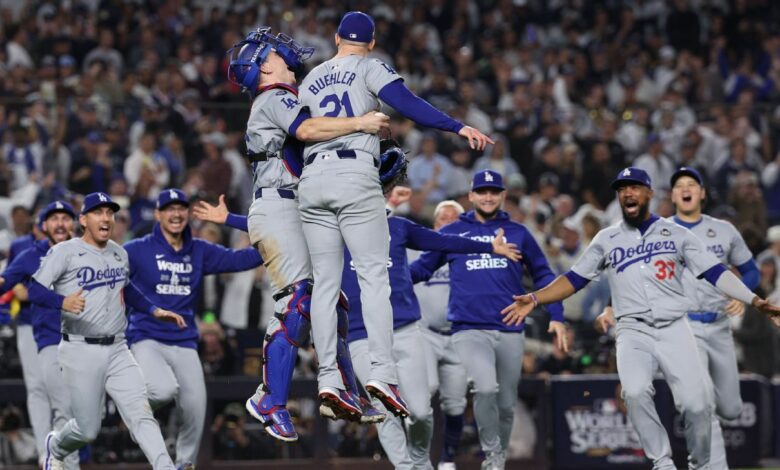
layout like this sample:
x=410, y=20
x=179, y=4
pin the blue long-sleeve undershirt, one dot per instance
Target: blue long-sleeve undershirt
x=417, y=109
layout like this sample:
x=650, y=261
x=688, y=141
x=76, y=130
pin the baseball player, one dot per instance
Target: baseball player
x=89, y=282
x=56, y=222
x=168, y=266
x=264, y=66
x=445, y=370
x=709, y=315
x=410, y=449
x=38, y=406
x=489, y=349
x=342, y=201
x=645, y=259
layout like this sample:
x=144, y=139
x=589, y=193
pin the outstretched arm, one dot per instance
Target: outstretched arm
x=555, y=291
x=219, y=214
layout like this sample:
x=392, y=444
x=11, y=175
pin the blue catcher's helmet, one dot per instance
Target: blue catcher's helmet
x=248, y=56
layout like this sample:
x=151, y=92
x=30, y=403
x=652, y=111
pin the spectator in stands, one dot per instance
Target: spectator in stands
x=146, y=158
x=429, y=172
x=17, y=444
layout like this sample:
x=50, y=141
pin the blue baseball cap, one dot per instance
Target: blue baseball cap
x=687, y=171
x=172, y=196
x=487, y=179
x=53, y=208
x=631, y=174
x=357, y=26
x=94, y=200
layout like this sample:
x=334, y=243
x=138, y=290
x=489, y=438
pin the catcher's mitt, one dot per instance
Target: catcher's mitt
x=392, y=164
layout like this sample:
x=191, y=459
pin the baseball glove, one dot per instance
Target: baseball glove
x=393, y=163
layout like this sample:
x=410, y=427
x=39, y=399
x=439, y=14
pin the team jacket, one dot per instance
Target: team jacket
x=172, y=280
x=19, y=245
x=483, y=284
x=403, y=234
x=45, y=322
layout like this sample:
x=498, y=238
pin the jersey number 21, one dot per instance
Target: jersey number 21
x=337, y=103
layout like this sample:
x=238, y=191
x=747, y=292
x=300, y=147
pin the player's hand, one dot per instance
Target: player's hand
x=205, y=211
x=477, y=140
x=763, y=306
x=561, y=338
x=606, y=320
x=502, y=248
x=2, y=281
x=74, y=303
x=735, y=308
x=399, y=195
x=372, y=122
x=515, y=314
x=20, y=292
x=166, y=315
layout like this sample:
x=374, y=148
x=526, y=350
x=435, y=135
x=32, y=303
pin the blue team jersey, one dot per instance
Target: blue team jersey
x=19, y=245
x=172, y=280
x=482, y=285
x=403, y=234
x=45, y=322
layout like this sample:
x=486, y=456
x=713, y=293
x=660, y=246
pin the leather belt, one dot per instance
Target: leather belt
x=283, y=193
x=343, y=154
x=102, y=340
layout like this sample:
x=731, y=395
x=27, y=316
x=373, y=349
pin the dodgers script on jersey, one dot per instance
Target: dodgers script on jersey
x=102, y=274
x=272, y=114
x=346, y=87
x=645, y=270
x=724, y=241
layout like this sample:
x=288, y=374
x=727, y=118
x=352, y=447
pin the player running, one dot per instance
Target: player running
x=342, y=201
x=168, y=266
x=645, y=258
x=56, y=223
x=89, y=282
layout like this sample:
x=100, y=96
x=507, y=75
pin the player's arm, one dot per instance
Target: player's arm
x=16, y=272
x=218, y=259
x=537, y=266
x=423, y=267
x=587, y=268
x=136, y=300
x=219, y=214
x=425, y=239
x=705, y=266
x=52, y=267
x=411, y=106
x=317, y=129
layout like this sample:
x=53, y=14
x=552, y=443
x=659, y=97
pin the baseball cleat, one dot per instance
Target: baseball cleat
x=389, y=396
x=338, y=404
x=370, y=415
x=50, y=462
x=276, y=420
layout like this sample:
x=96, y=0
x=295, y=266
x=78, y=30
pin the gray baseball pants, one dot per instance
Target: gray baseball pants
x=341, y=202
x=38, y=407
x=445, y=372
x=494, y=362
x=716, y=351
x=59, y=398
x=173, y=372
x=91, y=370
x=410, y=449
x=641, y=350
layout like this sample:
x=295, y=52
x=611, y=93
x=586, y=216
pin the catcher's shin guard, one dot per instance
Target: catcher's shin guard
x=280, y=348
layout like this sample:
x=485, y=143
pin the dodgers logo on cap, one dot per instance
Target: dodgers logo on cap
x=53, y=208
x=631, y=175
x=487, y=179
x=171, y=196
x=687, y=171
x=94, y=200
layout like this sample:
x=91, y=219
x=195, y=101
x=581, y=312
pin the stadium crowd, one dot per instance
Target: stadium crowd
x=129, y=97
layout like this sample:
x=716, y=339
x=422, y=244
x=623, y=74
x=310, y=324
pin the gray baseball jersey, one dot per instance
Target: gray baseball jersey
x=433, y=296
x=346, y=87
x=645, y=270
x=102, y=273
x=272, y=114
x=724, y=241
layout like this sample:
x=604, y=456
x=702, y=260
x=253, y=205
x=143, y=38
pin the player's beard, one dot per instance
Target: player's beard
x=641, y=214
x=487, y=215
